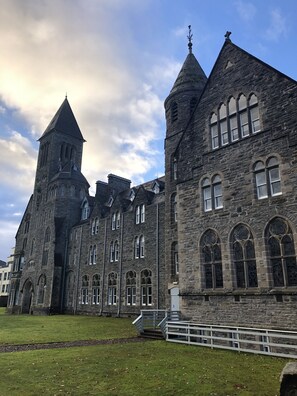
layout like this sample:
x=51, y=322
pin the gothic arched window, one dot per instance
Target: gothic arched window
x=212, y=260
x=146, y=287
x=131, y=288
x=281, y=253
x=243, y=254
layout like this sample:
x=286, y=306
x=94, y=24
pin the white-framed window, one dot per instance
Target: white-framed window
x=267, y=178
x=146, y=288
x=85, y=211
x=92, y=255
x=141, y=243
x=118, y=220
x=116, y=251
x=112, y=252
x=142, y=213
x=212, y=193
x=174, y=208
x=131, y=288
x=85, y=290
x=95, y=226
x=137, y=214
x=113, y=221
x=239, y=119
x=112, y=289
x=174, y=259
x=96, y=289
x=136, y=247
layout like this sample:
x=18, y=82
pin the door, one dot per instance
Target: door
x=174, y=294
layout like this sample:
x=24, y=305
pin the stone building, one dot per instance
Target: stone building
x=215, y=237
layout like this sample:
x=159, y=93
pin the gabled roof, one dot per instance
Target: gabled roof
x=191, y=75
x=64, y=122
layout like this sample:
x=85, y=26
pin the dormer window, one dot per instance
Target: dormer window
x=85, y=210
x=132, y=195
x=156, y=188
x=110, y=201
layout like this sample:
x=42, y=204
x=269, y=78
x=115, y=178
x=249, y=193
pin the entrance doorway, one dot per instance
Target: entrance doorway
x=27, y=297
x=174, y=294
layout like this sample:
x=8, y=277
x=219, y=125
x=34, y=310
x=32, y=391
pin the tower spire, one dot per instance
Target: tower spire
x=190, y=36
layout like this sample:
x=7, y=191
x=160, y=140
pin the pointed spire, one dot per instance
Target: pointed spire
x=64, y=122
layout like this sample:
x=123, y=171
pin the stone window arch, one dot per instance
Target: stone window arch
x=85, y=290
x=211, y=260
x=243, y=257
x=281, y=253
x=96, y=289
x=112, y=288
x=146, y=287
x=131, y=288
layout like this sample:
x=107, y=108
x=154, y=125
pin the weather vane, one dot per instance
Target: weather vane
x=190, y=36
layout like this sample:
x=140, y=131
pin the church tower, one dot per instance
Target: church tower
x=53, y=209
x=179, y=111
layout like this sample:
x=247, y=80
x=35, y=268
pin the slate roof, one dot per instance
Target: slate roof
x=191, y=75
x=64, y=122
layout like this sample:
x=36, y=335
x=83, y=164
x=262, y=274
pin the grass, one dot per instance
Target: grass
x=28, y=329
x=148, y=368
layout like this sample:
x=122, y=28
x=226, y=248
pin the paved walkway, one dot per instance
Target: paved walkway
x=68, y=344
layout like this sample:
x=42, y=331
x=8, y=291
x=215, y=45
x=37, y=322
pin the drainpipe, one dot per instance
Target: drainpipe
x=121, y=267
x=103, y=268
x=157, y=254
x=64, y=272
x=78, y=272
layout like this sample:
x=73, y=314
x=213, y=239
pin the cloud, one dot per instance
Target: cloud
x=7, y=233
x=17, y=163
x=277, y=27
x=246, y=10
x=2, y=110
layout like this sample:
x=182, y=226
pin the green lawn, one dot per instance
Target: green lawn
x=28, y=329
x=148, y=368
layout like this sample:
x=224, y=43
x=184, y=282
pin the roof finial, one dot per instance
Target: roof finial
x=189, y=36
x=227, y=36
x=66, y=95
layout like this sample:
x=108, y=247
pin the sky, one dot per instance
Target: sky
x=116, y=60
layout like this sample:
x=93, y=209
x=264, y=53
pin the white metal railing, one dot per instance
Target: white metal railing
x=242, y=339
x=149, y=319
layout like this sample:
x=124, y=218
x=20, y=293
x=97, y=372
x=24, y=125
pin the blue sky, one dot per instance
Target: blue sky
x=117, y=61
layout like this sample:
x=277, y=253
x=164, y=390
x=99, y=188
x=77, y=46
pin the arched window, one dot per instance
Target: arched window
x=136, y=247
x=281, y=253
x=41, y=289
x=112, y=288
x=85, y=289
x=141, y=246
x=47, y=235
x=174, y=112
x=131, y=288
x=142, y=213
x=243, y=253
x=118, y=220
x=137, y=214
x=212, y=260
x=173, y=208
x=96, y=289
x=46, y=244
x=174, y=168
x=95, y=226
x=85, y=211
x=267, y=178
x=116, y=251
x=212, y=193
x=174, y=259
x=214, y=131
x=235, y=121
x=112, y=252
x=32, y=246
x=92, y=254
x=113, y=221
x=146, y=287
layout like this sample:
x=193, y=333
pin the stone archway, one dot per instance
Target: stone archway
x=27, y=297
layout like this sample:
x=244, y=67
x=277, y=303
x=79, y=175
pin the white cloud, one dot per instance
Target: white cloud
x=8, y=230
x=246, y=10
x=277, y=27
x=2, y=110
x=17, y=163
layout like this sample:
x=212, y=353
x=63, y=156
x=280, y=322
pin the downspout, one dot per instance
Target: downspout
x=121, y=267
x=63, y=273
x=103, y=268
x=157, y=255
x=78, y=272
